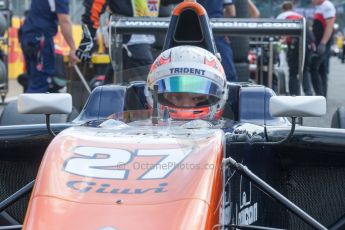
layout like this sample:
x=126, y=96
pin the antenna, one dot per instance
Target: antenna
x=155, y=105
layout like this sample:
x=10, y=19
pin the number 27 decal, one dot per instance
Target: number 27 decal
x=92, y=165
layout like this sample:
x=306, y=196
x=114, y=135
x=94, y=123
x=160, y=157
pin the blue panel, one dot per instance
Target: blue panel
x=254, y=106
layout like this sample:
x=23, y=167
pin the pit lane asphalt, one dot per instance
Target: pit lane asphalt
x=335, y=99
x=336, y=95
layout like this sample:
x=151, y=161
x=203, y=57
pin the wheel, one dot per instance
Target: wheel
x=240, y=45
x=242, y=70
x=3, y=25
x=3, y=75
x=338, y=119
x=240, y=48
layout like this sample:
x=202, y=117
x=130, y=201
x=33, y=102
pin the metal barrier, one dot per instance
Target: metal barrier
x=261, y=67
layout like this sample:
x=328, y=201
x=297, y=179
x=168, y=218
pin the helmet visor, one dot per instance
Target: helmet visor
x=185, y=91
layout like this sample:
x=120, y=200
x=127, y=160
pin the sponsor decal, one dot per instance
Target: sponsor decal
x=239, y=25
x=187, y=71
x=248, y=215
x=257, y=25
x=248, y=212
x=152, y=5
x=145, y=23
x=105, y=188
x=144, y=8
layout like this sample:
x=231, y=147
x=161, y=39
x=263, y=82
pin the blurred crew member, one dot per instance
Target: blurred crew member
x=217, y=9
x=324, y=19
x=40, y=26
x=136, y=50
x=293, y=54
x=253, y=11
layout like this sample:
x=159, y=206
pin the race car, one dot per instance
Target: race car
x=126, y=163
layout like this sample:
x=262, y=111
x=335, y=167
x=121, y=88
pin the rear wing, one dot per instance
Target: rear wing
x=220, y=26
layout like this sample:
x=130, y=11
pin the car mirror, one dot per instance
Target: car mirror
x=297, y=106
x=44, y=103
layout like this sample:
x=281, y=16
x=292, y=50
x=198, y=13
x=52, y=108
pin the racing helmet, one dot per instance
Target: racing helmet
x=191, y=83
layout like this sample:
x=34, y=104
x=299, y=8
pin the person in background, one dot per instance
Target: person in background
x=37, y=32
x=253, y=11
x=23, y=77
x=26, y=12
x=221, y=9
x=293, y=54
x=324, y=19
x=136, y=48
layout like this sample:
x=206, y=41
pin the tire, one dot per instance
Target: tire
x=3, y=82
x=3, y=24
x=338, y=119
x=240, y=48
x=3, y=75
x=240, y=45
x=10, y=116
x=242, y=70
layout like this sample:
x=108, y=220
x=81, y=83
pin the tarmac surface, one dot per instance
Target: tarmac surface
x=335, y=99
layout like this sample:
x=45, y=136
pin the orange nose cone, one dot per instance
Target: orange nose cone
x=171, y=182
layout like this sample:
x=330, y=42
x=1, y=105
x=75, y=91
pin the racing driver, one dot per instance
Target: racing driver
x=191, y=84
